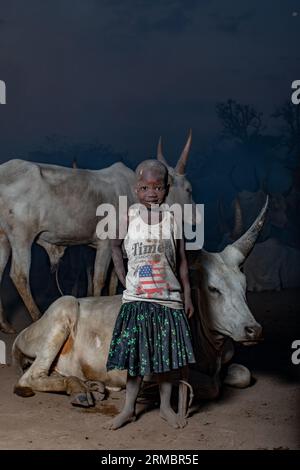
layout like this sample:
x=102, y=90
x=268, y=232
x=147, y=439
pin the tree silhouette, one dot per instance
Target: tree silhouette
x=290, y=137
x=240, y=121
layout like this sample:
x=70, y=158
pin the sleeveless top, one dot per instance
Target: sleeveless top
x=151, y=250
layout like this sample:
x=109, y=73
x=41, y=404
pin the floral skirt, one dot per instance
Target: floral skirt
x=149, y=337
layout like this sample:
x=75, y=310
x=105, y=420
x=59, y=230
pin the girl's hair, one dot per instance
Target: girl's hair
x=155, y=166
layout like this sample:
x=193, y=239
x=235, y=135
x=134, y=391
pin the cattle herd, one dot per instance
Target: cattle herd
x=65, y=349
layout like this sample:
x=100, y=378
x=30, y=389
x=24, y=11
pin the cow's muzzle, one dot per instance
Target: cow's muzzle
x=253, y=334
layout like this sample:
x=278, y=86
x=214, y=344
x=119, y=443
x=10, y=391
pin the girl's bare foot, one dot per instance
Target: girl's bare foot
x=172, y=418
x=121, y=419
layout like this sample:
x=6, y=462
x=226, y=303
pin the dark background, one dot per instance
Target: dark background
x=121, y=73
x=100, y=81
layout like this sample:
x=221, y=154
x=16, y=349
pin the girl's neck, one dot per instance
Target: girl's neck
x=152, y=215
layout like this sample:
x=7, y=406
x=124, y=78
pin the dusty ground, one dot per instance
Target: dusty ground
x=264, y=416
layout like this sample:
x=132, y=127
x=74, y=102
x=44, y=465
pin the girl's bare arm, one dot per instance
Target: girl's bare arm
x=184, y=278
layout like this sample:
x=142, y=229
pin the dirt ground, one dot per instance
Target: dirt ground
x=263, y=416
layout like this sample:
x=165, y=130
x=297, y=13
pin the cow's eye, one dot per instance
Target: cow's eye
x=214, y=290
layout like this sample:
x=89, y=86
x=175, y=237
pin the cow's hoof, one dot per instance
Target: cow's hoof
x=95, y=386
x=7, y=328
x=82, y=399
x=23, y=391
x=98, y=396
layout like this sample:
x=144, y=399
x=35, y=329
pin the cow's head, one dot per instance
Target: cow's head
x=180, y=190
x=224, y=308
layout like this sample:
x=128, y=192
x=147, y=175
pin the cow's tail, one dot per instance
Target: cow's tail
x=57, y=281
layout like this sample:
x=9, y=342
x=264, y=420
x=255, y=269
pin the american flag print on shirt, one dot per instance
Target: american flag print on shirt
x=151, y=280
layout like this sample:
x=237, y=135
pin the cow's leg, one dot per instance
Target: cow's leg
x=19, y=273
x=89, y=275
x=89, y=260
x=50, y=333
x=113, y=283
x=4, y=256
x=102, y=261
x=43, y=340
x=40, y=381
x=96, y=388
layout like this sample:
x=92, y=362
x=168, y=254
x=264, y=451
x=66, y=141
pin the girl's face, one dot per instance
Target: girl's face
x=151, y=189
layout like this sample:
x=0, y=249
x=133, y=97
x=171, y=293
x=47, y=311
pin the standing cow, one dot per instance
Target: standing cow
x=66, y=350
x=56, y=207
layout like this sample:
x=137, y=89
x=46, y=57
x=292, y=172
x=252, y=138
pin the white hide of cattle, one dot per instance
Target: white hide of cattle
x=56, y=207
x=67, y=348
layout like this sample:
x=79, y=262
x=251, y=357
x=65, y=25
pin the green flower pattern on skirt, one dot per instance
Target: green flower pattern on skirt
x=150, y=337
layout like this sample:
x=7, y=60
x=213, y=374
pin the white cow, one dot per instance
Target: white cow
x=66, y=350
x=56, y=207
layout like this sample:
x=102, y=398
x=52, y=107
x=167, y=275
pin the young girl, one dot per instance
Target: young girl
x=151, y=333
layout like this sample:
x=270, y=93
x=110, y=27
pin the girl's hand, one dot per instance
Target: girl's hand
x=188, y=307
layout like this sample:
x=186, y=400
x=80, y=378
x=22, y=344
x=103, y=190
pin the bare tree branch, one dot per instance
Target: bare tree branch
x=241, y=122
x=290, y=137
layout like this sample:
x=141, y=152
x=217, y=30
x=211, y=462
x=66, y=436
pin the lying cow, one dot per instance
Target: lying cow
x=66, y=349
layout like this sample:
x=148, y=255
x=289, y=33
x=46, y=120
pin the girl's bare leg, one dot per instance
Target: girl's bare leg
x=128, y=412
x=166, y=412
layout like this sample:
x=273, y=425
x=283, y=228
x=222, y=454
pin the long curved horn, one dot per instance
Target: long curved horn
x=160, y=155
x=238, y=220
x=180, y=167
x=246, y=242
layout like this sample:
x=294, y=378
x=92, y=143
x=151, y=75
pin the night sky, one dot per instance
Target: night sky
x=124, y=72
